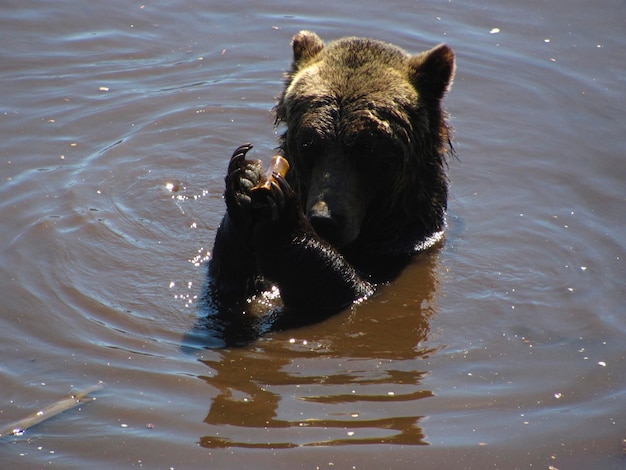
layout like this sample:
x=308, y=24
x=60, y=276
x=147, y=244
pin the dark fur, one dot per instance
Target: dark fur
x=367, y=141
x=341, y=111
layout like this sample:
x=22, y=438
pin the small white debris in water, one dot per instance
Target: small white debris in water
x=558, y=395
x=602, y=363
x=494, y=31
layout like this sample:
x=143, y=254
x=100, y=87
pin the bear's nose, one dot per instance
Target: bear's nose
x=323, y=222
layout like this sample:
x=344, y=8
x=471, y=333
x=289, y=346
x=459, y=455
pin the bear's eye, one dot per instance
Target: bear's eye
x=310, y=144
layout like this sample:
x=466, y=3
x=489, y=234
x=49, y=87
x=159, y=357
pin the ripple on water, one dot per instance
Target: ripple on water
x=508, y=337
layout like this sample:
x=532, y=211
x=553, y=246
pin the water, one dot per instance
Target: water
x=503, y=349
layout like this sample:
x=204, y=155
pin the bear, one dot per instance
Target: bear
x=367, y=141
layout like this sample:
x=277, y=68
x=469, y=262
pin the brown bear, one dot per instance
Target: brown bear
x=367, y=141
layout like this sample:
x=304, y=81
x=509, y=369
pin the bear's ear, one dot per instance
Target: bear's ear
x=306, y=45
x=432, y=72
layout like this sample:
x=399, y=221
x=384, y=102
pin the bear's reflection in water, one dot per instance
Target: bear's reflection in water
x=292, y=387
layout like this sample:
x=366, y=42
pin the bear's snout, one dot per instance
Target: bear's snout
x=327, y=226
x=335, y=209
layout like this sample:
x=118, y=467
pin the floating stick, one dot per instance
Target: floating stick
x=17, y=428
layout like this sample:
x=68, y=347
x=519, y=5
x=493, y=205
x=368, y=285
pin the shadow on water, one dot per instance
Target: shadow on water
x=282, y=392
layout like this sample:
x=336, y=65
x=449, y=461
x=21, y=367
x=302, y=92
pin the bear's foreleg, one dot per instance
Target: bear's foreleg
x=310, y=273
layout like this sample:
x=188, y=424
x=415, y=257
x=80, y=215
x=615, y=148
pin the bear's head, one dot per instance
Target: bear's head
x=367, y=140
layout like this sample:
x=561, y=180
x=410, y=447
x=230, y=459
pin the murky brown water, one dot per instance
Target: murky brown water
x=503, y=349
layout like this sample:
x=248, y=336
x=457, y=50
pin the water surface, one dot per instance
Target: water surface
x=502, y=349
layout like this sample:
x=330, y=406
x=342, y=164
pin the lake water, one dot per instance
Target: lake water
x=503, y=349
